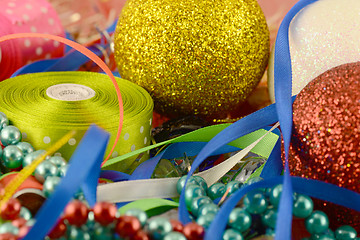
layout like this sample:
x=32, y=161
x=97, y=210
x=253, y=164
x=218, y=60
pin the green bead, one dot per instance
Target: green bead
x=44, y=170
x=50, y=184
x=205, y=220
x=270, y=232
x=25, y=147
x=75, y=233
x=28, y=159
x=57, y=161
x=233, y=186
x=239, y=219
x=317, y=222
x=303, y=206
x=217, y=190
x=10, y=135
x=174, y=236
x=7, y=227
x=181, y=182
x=326, y=235
x=139, y=214
x=159, y=227
x=269, y=217
x=208, y=208
x=255, y=202
x=232, y=234
x=91, y=223
x=12, y=157
x=192, y=191
x=275, y=195
x=4, y=121
x=102, y=233
x=345, y=232
x=197, y=203
x=201, y=181
x=25, y=213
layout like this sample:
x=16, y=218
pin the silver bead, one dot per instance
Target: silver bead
x=25, y=147
x=44, y=170
x=29, y=158
x=12, y=157
x=10, y=135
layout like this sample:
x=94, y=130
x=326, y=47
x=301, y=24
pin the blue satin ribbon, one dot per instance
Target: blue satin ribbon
x=83, y=171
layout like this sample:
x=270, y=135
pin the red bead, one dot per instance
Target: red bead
x=193, y=231
x=7, y=236
x=11, y=209
x=127, y=226
x=19, y=222
x=141, y=235
x=104, y=212
x=177, y=225
x=58, y=230
x=23, y=231
x=76, y=213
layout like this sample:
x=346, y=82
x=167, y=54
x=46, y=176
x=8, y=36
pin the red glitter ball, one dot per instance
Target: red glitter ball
x=76, y=213
x=104, y=212
x=127, y=226
x=141, y=235
x=193, y=231
x=326, y=135
x=11, y=209
x=176, y=225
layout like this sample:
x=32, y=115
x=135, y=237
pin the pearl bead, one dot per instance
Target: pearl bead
x=192, y=191
x=174, y=236
x=201, y=181
x=104, y=212
x=232, y=234
x=269, y=217
x=4, y=121
x=193, y=231
x=76, y=213
x=57, y=161
x=12, y=157
x=7, y=227
x=303, y=206
x=208, y=208
x=50, y=184
x=127, y=226
x=25, y=147
x=158, y=227
x=255, y=202
x=216, y=190
x=139, y=214
x=239, y=219
x=181, y=182
x=205, y=219
x=345, y=232
x=11, y=209
x=28, y=159
x=317, y=222
x=197, y=203
x=44, y=170
x=10, y=135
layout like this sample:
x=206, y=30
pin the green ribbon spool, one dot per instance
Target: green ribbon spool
x=45, y=106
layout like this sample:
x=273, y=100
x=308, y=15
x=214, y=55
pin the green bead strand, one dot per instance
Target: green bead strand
x=317, y=222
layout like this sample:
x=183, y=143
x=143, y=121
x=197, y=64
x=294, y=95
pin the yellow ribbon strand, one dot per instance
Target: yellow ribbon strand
x=11, y=188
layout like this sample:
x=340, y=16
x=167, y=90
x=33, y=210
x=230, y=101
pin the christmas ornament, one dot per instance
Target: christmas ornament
x=326, y=134
x=202, y=57
x=322, y=36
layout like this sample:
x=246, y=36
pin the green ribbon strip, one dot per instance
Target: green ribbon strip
x=152, y=206
x=30, y=104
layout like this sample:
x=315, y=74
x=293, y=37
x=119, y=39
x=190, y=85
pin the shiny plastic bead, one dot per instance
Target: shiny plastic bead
x=104, y=212
x=12, y=157
x=233, y=186
x=317, y=222
x=62, y=171
x=101, y=232
x=29, y=158
x=19, y=222
x=174, y=236
x=139, y=214
x=8, y=236
x=239, y=219
x=10, y=135
x=127, y=226
x=25, y=147
x=159, y=227
x=58, y=230
x=141, y=235
x=208, y=208
x=50, y=184
x=255, y=202
x=76, y=213
x=232, y=234
x=193, y=231
x=201, y=181
x=197, y=203
x=345, y=232
x=176, y=225
x=181, y=182
x=192, y=191
x=11, y=209
x=76, y=233
x=327, y=235
x=303, y=206
x=44, y=170
x=205, y=219
x=4, y=121
x=57, y=161
x=7, y=227
x=269, y=217
x=275, y=195
x=217, y=190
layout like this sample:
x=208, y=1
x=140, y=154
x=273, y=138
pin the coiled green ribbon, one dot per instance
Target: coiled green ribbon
x=45, y=106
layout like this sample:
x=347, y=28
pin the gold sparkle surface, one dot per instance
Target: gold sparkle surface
x=193, y=57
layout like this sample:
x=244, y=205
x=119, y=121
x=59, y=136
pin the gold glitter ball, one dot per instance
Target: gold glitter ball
x=193, y=57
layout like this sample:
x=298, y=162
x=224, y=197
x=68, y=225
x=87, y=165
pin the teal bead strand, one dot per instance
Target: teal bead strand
x=255, y=202
x=231, y=234
x=181, y=182
x=303, y=206
x=269, y=217
x=239, y=219
x=345, y=232
x=201, y=181
x=233, y=186
x=275, y=195
x=217, y=190
x=174, y=236
x=139, y=214
x=208, y=208
x=206, y=219
x=192, y=191
x=197, y=203
x=317, y=222
x=159, y=227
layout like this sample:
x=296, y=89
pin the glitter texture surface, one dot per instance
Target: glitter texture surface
x=326, y=136
x=323, y=35
x=194, y=57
